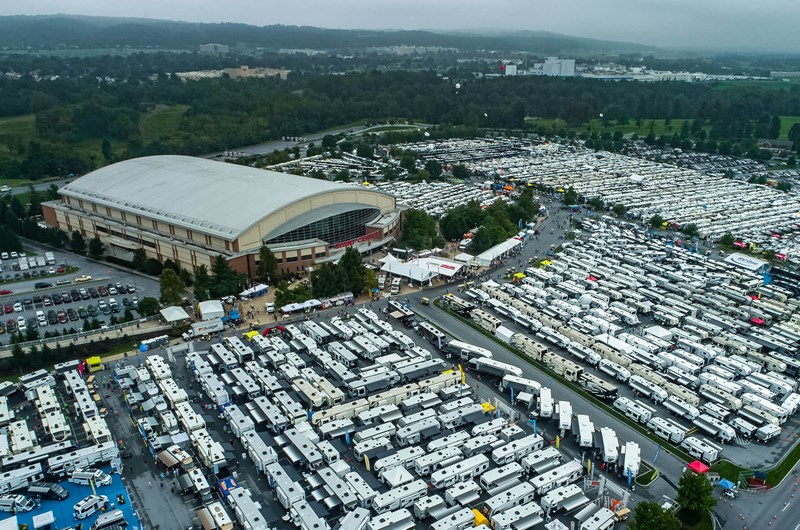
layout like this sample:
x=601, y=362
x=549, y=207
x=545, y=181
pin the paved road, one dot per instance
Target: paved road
x=42, y=186
x=277, y=145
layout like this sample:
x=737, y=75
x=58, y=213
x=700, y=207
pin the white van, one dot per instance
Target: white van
x=113, y=518
x=16, y=503
x=88, y=506
x=86, y=476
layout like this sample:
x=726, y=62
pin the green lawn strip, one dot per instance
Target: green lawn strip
x=161, y=122
x=606, y=408
x=67, y=270
x=786, y=125
x=648, y=476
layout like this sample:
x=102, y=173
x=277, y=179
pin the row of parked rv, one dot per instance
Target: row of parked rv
x=436, y=198
x=356, y=166
x=467, y=152
x=313, y=402
x=70, y=440
x=682, y=196
x=723, y=358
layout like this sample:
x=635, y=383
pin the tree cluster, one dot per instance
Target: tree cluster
x=221, y=281
x=496, y=223
x=348, y=275
x=419, y=231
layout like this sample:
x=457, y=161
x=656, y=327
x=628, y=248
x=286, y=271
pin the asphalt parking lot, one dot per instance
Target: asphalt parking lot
x=69, y=306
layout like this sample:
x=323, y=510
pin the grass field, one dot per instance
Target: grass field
x=161, y=122
x=768, y=84
x=21, y=127
x=786, y=124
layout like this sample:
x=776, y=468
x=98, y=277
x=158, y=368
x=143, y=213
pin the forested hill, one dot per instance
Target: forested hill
x=48, y=32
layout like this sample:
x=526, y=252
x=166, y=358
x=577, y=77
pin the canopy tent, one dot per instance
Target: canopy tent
x=174, y=314
x=388, y=258
x=291, y=308
x=43, y=520
x=253, y=292
x=727, y=484
x=698, y=467
x=397, y=476
x=411, y=272
x=486, y=258
x=465, y=258
x=211, y=309
x=441, y=266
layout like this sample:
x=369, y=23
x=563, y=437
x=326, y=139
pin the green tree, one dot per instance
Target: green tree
x=453, y=225
x=696, y=493
x=570, y=196
x=326, y=280
x=370, y=279
x=352, y=270
x=105, y=147
x=152, y=267
x=434, y=167
x=419, y=230
x=87, y=325
x=267, y=264
x=597, y=204
x=656, y=221
x=650, y=516
x=727, y=239
x=96, y=248
x=148, y=306
x=139, y=258
x=202, y=283
x=77, y=243
x=408, y=162
x=619, y=208
x=791, y=161
x=691, y=230
x=225, y=280
x=460, y=172
x=482, y=240
x=329, y=142
x=775, y=127
x=19, y=355
x=172, y=288
x=128, y=315
x=768, y=254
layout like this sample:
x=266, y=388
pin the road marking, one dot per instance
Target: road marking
x=784, y=509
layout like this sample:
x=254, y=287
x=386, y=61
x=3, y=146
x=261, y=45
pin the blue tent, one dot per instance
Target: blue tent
x=727, y=484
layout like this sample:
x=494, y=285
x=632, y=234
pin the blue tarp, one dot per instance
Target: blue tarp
x=727, y=484
x=62, y=510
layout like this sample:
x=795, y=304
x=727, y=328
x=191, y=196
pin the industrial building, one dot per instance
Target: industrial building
x=191, y=210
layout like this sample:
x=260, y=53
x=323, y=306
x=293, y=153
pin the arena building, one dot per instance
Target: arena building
x=191, y=210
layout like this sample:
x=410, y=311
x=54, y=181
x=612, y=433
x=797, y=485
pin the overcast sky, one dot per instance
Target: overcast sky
x=717, y=24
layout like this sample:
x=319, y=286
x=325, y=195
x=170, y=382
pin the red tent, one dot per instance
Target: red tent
x=698, y=467
x=591, y=278
x=757, y=321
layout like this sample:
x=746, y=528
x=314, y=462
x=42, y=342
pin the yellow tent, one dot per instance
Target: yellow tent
x=91, y=361
x=487, y=407
x=480, y=519
x=560, y=190
x=250, y=334
x=519, y=275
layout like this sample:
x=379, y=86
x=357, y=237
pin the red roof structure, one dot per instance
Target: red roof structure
x=698, y=467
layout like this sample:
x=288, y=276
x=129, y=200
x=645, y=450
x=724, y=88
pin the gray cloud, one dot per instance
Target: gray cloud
x=711, y=24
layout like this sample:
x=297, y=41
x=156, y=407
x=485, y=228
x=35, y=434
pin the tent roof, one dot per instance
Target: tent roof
x=174, y=314
x=389, y=257
x=397, y=476
x=464, y=257
x=441, y=266
x=416, y=274
x=698, y=467
x=497, y=250
x=727, y=484
x=210, y=306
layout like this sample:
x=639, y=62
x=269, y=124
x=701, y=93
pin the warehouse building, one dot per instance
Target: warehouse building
x=191, y=210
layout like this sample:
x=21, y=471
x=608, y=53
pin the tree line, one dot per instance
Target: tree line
x=224, y=113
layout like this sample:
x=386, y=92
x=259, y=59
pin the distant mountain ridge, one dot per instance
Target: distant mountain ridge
x=54, y=31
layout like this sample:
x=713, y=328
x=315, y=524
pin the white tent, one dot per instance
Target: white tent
x=411, y=272
x=211, y=309
x=397, y=476
x=441, y=266
x=291, y=308
x=388, y=258
x=469, y=259
x=486, y=258
x=174, y=314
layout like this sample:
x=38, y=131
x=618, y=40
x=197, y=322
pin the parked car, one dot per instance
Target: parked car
x=72, y=314
x=82, y=313
x=11, y=325
x=52, y=318
x=83, y=278
x=62, y=317
x=93, y=292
